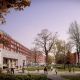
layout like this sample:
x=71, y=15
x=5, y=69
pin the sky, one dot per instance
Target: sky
x=54, y=15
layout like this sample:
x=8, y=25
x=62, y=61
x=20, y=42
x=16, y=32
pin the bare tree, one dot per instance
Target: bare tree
x=69, y=46
x=45, y=40
x=74, y=32
x=7, y=5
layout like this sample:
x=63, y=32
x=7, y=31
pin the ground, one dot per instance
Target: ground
x=51, y=74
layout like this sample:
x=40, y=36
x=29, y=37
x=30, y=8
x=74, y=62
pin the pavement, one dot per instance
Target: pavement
x=55, y=77
x=51, y=74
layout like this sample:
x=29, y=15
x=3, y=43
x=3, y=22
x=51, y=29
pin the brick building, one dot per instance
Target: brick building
x=13, y=53
x=73, y=58
x=76, y=58
x=38, y=57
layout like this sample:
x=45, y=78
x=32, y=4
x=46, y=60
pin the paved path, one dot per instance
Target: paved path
x=55, y=77
x=51, y=74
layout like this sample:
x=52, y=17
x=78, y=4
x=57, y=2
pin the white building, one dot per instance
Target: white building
x=12, y=53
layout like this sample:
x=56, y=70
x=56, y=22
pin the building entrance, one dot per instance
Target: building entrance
x=8, y=63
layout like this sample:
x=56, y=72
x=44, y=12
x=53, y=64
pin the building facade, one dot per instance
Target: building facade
x=72, y=58
x=41, y=58
x=38, y=57
x=13, y=53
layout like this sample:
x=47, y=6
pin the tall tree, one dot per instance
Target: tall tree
x=60, y=50
x=45, y=41
x=69, y=46
x=59, y=59
x=50, y=59
x=74, y=32
x=7, y=5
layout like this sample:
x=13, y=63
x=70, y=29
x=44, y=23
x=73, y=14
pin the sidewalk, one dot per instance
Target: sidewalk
x=51, y=75
x=54, y=77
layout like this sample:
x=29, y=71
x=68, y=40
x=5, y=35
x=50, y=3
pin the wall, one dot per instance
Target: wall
x=13, y=55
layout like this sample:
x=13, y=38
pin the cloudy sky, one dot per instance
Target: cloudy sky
x=55, y=15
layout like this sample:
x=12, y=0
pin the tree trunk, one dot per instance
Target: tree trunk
x=35, y=59
x=77, y=49
x=78, y=55
x=64, y=61
x=46, y=59
x=78, y=58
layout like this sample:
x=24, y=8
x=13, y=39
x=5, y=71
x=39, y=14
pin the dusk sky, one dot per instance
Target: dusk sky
x=54, y=15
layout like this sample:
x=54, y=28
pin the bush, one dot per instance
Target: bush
x=22, y=77
x=31, y=68
x=0, y=70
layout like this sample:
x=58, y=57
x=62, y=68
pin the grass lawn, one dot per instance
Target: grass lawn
x=33, y=68
x=61, y=68
x=66, y=69
x=77, y=77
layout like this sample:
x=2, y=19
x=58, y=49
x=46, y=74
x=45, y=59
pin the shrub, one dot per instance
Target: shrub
x=0, y=70
x=33, y=68
x=22, y=77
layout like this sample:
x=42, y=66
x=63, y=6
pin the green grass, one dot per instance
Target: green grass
x=60, y=67
x=34, y=68
x=77, y=77
x=66, y=69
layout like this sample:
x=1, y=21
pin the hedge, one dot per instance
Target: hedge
x=22, y=77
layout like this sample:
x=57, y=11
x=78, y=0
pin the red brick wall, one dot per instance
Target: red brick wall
x=13, y=45
x=73, y=58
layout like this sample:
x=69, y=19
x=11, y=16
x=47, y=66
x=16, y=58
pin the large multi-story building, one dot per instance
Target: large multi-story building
x=12, y=53
x=41, y=58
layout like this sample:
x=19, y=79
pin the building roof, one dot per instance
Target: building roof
x=4, y=33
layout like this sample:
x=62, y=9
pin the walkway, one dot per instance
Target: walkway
x=55, y=77
x=51, y=74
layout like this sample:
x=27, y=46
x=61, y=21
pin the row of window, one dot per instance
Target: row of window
x=12, y=45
